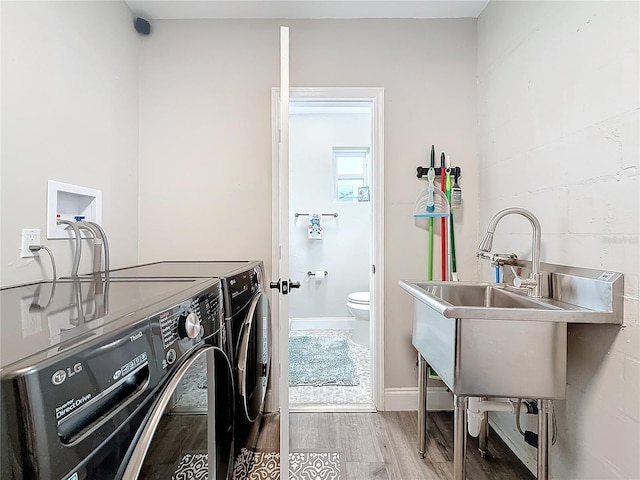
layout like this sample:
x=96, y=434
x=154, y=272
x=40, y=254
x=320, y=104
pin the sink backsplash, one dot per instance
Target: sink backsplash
x=599, y=290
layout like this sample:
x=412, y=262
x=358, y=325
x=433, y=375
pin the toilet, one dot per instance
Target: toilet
x=358, y=305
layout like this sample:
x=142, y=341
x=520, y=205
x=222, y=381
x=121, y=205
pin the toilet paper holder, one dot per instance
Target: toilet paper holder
x=313, y=274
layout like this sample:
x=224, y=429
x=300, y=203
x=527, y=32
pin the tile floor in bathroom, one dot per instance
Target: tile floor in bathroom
x=337, y=395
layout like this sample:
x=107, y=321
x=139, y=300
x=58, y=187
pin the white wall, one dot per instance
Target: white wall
x=344, y=250
x=205, y=137
x=69, y=113
x=558, y=112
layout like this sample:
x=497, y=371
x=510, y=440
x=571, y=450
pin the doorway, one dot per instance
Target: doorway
x=351, y=187
x=330, y=362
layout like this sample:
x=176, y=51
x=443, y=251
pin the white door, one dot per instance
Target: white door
x=280, y=273
x=280, y=236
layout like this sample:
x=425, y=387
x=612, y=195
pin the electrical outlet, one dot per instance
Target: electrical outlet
x=30, y=236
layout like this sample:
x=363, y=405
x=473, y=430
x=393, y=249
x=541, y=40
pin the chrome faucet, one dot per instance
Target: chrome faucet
x=534, y=280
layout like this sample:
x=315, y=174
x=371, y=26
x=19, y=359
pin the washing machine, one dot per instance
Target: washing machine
x=247, y=341
x=85, y=366
x=177, y=440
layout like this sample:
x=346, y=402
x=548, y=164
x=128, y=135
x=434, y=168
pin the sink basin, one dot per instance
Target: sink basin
x=486, y=341
x=489, y=339
x=494, y=301
x=500, y=302
x=480, y=295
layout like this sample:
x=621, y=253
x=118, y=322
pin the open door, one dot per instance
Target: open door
x=281, y=282
x=280, y=244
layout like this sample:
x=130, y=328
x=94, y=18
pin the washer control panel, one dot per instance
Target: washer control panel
x=186, y=325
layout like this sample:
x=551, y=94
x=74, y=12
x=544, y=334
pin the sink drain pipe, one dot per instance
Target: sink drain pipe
x=477, y=408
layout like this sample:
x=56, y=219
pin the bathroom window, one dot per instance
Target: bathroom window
x=351, y=167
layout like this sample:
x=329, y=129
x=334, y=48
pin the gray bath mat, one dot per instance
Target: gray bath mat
x=321, y=360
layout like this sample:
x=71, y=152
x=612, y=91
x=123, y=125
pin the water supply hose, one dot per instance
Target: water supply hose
x=105, y=244
x=78, y=252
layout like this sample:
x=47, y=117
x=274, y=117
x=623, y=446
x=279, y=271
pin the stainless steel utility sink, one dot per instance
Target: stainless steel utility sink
x=488, y=339
x=479, y=300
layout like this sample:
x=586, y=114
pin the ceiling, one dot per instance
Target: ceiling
x=319, y=9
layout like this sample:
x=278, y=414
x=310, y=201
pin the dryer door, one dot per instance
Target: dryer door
x=254, y=356
x=178, y=442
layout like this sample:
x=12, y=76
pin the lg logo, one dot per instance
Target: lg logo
x=61, y=375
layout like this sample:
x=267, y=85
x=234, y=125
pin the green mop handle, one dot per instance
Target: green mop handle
x=430, y=262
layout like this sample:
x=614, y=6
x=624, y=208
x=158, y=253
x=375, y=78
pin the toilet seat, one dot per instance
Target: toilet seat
x=359, y=308
x=358, y=298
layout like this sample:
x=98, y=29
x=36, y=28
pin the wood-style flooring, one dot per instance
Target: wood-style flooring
x=383, y=445
x=379, y=445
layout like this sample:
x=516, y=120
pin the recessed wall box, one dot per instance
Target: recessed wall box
x=70, y=201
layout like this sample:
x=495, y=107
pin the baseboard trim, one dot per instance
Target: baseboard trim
x=322, y=323
x=406, y=399
x=332, y=407
x=395, y=399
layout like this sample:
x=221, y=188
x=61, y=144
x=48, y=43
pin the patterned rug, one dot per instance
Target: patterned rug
x=252, y=465
x=314, y=465
x=320, y=360
x=266, y=466
x=192, y=466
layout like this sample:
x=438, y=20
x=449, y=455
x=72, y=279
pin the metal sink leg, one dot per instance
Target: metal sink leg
x=423, y=368
x=483, y=438
x=459, y=437
x=544, y=411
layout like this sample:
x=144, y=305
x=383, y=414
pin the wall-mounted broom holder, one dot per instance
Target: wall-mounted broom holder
x=422, y=171
x=436, y=202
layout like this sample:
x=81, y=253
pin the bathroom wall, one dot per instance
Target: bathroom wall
x=69, y=113
x=345, y=250
x=558, y=108
x=205, y=137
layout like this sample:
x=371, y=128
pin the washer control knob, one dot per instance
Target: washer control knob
x=171, y=356
x=189, y=326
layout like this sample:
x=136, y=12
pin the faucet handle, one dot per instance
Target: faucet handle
x=520, y=282
x=483, y=254
x=500, y=259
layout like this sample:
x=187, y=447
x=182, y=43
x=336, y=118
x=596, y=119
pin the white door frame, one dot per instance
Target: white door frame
x=376, y=96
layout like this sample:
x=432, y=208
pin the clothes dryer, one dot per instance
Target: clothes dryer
x=247, y=339
x=83, y=364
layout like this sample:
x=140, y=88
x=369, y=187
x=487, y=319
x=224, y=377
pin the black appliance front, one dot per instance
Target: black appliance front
x=75, y=410
x=247, y=317
x=177, y=439
x=188, y=445
x=251, y=345
x=248, y=322
x=74, y=418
